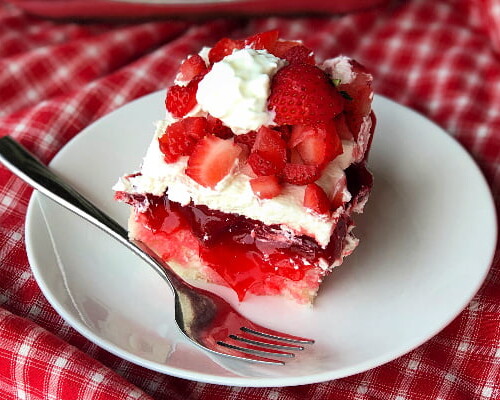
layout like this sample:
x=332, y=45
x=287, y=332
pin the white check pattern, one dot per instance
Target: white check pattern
x=440, y=58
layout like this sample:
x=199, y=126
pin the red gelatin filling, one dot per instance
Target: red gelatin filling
x=247, y=254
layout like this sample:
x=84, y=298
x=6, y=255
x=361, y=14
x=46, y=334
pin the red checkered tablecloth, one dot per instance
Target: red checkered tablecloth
x=441, y=58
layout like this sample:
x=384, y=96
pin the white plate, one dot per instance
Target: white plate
x=427, y=241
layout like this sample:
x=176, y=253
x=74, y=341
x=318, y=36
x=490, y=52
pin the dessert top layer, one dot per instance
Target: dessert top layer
x=256, y=128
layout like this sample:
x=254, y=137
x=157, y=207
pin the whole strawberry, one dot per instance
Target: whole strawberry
x=303, y=94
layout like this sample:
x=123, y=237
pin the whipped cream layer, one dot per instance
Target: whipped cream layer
x=234, y=193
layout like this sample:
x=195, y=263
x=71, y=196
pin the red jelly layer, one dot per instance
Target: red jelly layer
x=247, y=254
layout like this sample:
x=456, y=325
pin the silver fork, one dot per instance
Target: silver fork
x=205, y=318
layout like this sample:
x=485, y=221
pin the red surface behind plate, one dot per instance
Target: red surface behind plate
x=131, y=9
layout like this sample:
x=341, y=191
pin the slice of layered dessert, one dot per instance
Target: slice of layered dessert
x=253, y=176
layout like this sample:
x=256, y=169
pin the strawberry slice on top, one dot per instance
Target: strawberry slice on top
x=300, y=174
x=303, y=94
x=218, y=129
x=265, y=187
x=191, y=67
x=282, y=46
x=299, y=54
x=263, y=41
x=182, y=99
x=211, y=160
x=180, y=138
x=316, y=199
x=268, y=155
x=260, y=41
x=317, y=144
x=357, y=93
x=223, y=48
x=246, y=140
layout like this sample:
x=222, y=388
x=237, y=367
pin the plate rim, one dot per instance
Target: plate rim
x=248, y=381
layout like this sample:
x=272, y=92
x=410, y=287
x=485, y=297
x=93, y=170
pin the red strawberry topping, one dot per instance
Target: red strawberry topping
x=268, y=155
x=281, y=47
x=265, y=187
x=300, y=174
x=303, y=94
x=285, y=130
x=181, y=137
x=317, y=144
x=247, y=139
x=217, y=128
x=192, y=66
x=353, y=123
x=223, y=48
x=211, y=160
x=343, y=130
x=181, y=99
x=299, y=54
x=357, y=93
x=263, y=41
x=316, y=199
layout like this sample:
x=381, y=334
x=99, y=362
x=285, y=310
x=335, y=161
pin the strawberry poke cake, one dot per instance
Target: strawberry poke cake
x=253, y=176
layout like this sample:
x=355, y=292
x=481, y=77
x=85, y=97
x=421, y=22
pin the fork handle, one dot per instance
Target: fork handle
x=23, y=164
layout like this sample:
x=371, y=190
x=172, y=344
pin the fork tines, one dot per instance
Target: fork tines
x=255, y=345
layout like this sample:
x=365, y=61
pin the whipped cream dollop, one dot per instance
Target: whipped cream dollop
x=237, y=87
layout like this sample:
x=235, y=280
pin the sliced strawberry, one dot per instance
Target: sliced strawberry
x=299, y=54
x=316, y=199
x=353, y=122
x=181, y=99
x=261, y=166
x=263, y=41
x=282, y=46
x=373, y=119
x=211, y=160
x=246, y=169
x=268, y=155
x=341, y=127
x=303, y=94
x=196, y=127
x=192, y=66
x=181, y=137
x=266, y=187
x=300, y=174
x=295, y=157
x=217, y=128
x=247, y=139
x=299, y=134
x=317, y=144
x=357, y=94
x=223, y=48
x=285, y=130
x=269, y=142
x=312, y=150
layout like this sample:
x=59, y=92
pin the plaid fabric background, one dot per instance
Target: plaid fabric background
x=438, y=57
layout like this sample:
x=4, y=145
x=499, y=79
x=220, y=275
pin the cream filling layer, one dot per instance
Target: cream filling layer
x=234, y=193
